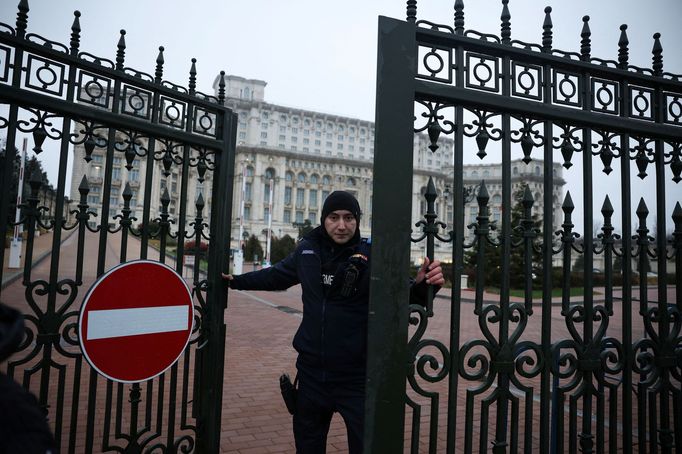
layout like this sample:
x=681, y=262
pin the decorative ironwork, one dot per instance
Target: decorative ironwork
x=129, y=130
x=542, y=372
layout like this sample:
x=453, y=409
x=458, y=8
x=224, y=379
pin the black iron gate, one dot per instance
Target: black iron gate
x=152, y=167
x=594, y=372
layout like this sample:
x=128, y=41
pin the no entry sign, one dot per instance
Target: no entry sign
x=136, y=321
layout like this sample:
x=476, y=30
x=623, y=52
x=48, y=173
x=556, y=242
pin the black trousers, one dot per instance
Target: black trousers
x=315, y=406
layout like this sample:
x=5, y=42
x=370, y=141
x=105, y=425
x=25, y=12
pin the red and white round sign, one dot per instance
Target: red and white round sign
x=136, y=321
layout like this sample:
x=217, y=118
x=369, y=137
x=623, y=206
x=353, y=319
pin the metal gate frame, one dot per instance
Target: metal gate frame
x=651, y=367
x=53, y=81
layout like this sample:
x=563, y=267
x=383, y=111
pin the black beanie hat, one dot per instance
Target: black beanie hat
x=340, y=200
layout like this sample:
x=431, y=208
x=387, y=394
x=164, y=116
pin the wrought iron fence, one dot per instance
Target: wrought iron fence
x=588, y=372
x=174, y=149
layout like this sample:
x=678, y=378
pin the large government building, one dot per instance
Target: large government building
x=289, y=159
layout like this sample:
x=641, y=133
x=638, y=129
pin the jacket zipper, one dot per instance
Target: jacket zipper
x=324, y=346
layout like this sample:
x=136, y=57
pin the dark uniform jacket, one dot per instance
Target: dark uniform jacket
x=332, y=338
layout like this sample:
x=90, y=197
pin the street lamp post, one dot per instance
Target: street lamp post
x=239, y=255
x=269, y=234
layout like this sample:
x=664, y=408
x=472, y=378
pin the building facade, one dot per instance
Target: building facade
x=287, y=161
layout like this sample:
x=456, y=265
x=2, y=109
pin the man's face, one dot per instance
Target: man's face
x=340, y=226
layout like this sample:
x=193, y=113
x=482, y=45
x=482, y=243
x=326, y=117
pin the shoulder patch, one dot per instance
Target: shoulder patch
x=307, y=252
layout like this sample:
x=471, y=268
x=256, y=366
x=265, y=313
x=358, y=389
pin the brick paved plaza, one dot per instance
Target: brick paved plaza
x=260, y=328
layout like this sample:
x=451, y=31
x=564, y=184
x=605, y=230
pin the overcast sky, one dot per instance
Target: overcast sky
x=321, y=55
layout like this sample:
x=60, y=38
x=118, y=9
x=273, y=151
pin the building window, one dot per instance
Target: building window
x=266, y=193
x=287, y=216
x=242, y=135
x=264, y=125
x=116, y=173
x=294, y=139
x=247, y=192
x=306, y=141
x=289, y=176
x=249, y=171
x=299, y=217
x=325, y=194
x=287, y=195
x=263, y=135
x=318, y=143
x=247, y=213
x=134, y=175
x=339, y=146
x=313, y=178
x=301, y=177
x=326, y=180
x=294, y=130
x=312, y=217
x=329, y=144
x=312, y=198
x=300, y=197
x=266, y=214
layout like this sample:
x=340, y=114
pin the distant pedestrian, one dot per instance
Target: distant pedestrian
x=23, y=427
x=332, y=265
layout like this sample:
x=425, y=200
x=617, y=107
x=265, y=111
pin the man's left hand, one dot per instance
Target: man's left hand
x=432, y=272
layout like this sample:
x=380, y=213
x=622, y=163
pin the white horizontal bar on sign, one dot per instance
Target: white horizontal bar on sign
x=132, y=322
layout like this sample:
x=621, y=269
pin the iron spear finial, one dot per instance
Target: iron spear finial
x=221, y=88
x=623, y=54
x=506, y=23
x=158, y=74
x=75, y=33
x=193, y=77
x=586, y=41
x=121, y=52
x=22, y=18
x=547, y=31
x=411, y=11
x=657, y=59
x=459, y=17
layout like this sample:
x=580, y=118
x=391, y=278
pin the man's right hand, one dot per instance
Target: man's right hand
x=227, y=277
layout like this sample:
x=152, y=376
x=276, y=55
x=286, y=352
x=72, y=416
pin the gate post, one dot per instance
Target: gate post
x=209, y=388
x=391, y=220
